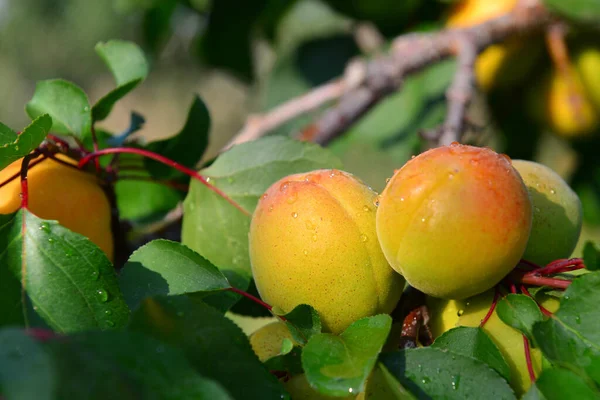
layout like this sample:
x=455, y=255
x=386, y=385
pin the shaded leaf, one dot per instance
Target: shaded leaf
x=439, y=374
x=303, y=322
x=186, y=147
x=520, y=312
x=142, y=200
x=214, y=344
x=591, y=256
x=340, y=365
x=578, y=10
x=163, y=267
x=126, y=365
x=382, y=385
x=571, y=337
x=556, y=384
x=71, y=283
x=475, y=343
x=26, y=370
x=14, y=146
x=66, y=103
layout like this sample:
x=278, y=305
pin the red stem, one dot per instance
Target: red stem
x=545, y=311
x=24, y=184
x=251, y=297
x=173, y=164
x=528, y=359
x=492, y=308
x=96, y=148
x=537, y=280
x=559, y=266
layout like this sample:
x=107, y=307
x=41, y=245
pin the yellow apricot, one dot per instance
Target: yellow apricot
x=587, y=62
x=454, y=220
x=500, y=64
x=447, y=314
x=557, y=213
x=313, y=241
x=58, y=192
x=561, y=102
x=267, y=341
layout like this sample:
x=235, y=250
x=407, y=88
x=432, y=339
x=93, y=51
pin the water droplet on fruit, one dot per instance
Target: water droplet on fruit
x=295, y=214
x=376, y=201
x=552, y=191
x=506, y=157
x=283, y=187
x=314, y=238
x=401, y=198
x=422, y=219
x=450, y=176
x=474, y=162
x=364, y=238
x=305, y=252
x=102, y=295
x=270, y=208
x=264, y=196
x=292, y=199
x=454, y=144
x=366, y=208
x=110, y=323
x=460, y=312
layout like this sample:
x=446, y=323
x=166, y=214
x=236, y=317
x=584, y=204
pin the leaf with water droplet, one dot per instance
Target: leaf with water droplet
x=334, y=364
x=14, y=146
x=520, y=312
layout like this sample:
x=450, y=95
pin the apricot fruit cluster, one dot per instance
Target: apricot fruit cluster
x=313, y=241
x=455, y=220
x=62, y=193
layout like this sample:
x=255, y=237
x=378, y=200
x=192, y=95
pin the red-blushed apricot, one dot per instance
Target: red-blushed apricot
x=454, y=220
x=557, y=213
x=313, y=241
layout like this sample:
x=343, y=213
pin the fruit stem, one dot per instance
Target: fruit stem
x=411, y=327
x=164, y=160
x=558, y=266
x=251, y=297
x=23, y=173
x=535, y=279
x=528, y=359
x=96, y=147
x=492, y=307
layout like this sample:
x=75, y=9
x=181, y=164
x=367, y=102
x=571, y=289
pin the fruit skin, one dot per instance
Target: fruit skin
x=587, y=62
x=557, y=213
x=313, y=241
x=454, y=220
x=267, y=341
x=58, y=192
x=445, y=315
x=499, y=64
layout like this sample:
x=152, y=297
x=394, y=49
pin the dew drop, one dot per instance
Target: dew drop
x=102, y=295
x=454, y=144
x=295, y=214
x=455, y=381
x=460, y=312
x=270, y=208
x=207, y=179
x=376, y=201
x=292, y=198
x=387, y=180
x=450, y=176
x=95, y=275
x=110, y=323
x=45, y=227
x=50, y=240
x=364, y=238
x=401, y=198
x=578, y=319
x=264, y=196
x=314, y=238
x=17, y=148
x=283, y=187
x=422, y=219
x=425, y=379
x=350, y=390
x=305, y=252
x=366, y=208
x=506, y=157
x=412, y=157
x=108, y=312
x=86, y=109
x=552, y=191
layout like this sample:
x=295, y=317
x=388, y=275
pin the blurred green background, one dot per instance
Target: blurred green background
x=246, y=56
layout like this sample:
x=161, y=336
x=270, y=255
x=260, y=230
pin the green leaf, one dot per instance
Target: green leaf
x=303, y=322
x=520, y=312
x=578, y=10
x=14, y=146
x=26, y=370
x=571, y=337
x=290, y=361
x=128, y=65
x=216, y=347
x=187, y=146
x=126, y=365
x=162, y=267
x=340, y=365
x=217, y=230
x=66, y=103
x=125, y=60
x=475, y=343
x=439, y=374
x=143, y=201
x=591, y=256
x=71, y=283
x=382, y=385
x=556, y=384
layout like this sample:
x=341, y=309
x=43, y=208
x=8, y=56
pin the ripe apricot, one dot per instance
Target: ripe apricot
x=557, y=213
x=447, y=314
x=500, y=64
x=313, y=241
x=454, y=220
x=68, y=195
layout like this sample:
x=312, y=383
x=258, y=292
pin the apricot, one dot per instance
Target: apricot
x=313, y=241
x=500, y=64
x=58, y=192
x=587, y=62
x=561, y=102
x=557, y=213
x=454, y=220
x=267, y=341
x=447, y=314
